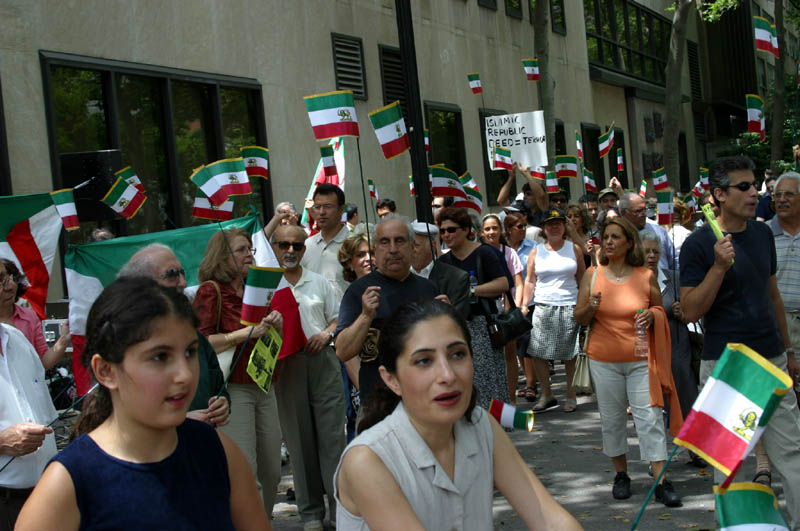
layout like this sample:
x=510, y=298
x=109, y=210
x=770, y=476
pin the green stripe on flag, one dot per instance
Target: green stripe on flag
x=233, y=165
x=440, y=171
x=116, y=191
x=748, y=503
x=326, y=151
x=329, y=100
x=386, y=115
x=752, y=375
x=125, y=173
x=264, y=277
x=63, y=197
x=17, y=208
x=503, y=152
x=474, y=76
x=254, y=151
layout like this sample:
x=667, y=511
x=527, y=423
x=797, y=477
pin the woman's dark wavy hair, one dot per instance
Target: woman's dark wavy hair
x=122, y=317
x=19, y=277
x=392, y=343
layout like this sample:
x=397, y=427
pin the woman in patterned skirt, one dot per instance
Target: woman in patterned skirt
x=555, y=268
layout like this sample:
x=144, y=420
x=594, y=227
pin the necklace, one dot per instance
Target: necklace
x=619, y=277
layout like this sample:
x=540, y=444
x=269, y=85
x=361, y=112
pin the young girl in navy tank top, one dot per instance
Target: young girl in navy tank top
x=137, y=461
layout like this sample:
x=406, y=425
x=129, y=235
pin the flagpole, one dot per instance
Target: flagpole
x=653, y=488
x=364, y=193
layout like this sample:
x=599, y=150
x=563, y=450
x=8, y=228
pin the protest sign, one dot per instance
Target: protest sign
x=263, y=359
x=522, y=133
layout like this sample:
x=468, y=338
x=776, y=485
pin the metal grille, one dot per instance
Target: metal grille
x=348, y=65
x=694, y=71
x=394, y=88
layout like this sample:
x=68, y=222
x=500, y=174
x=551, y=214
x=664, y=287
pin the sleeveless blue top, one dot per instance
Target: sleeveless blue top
x=188, y=490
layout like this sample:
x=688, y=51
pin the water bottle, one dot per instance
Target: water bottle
x=641, y=341
x=473, y=282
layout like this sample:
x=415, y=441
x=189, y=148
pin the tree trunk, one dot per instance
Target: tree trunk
x=547, y=84
x=672, y=100
x=779, y=93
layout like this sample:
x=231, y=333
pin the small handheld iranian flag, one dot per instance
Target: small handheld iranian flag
x=427, y=135
x=390, y=128
x=665, y=207
x=588, y=181
x=328, y=163
x=539, y=173
x=748, y=505
x=579, y=144
x=256, y=161
x=733, y=409
x=64, y=201
x=332, y=114
x=551, y=183
x=411, y=185
x=660, y=179
x=510, y=417
x=222, y=179
x=474, y=198
x=643, y=188
x=756, y=123
x=445, y=183
x=704, y=179
x=258, y=291
x=128, y=175
x=502, y=159
x=763, y=34
x=124, y=199
x=620, y=161
x=531, y=67
x=475, y=82
x=566, y=166
x=373, y=190
x=203, y=209
x=467, y=181
x=606, y=141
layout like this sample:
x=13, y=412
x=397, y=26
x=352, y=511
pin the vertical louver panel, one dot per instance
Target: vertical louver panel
x=394, y=88
x=348, y=65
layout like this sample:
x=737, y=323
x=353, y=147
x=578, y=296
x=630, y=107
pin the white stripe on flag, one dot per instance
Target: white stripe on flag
x=260, y=161
x=83, y=291
x=474, y=84
x=129, y=193
x=753, y=115
x=502, y=158
x=725, y=404
x=507, y=416
x=330, y=116
x=66, y=209
x=754, y=527
x=202, y=202
x=763, y=35
x=387, y=133
x=46, y=227
x=328, y=161
x=256, y=296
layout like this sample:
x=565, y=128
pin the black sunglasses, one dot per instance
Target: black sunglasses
x=284, y=246
x=450, y=230
x=742, y=186
x=173, y=273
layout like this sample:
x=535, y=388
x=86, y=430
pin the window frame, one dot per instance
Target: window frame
x=490, y=198
x=488, y=4
x=447, y=107
x=514, y=13
x=561, y=30
x=593, y=148
x=5, y=167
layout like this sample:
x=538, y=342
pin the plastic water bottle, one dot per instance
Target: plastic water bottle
x=641, y=344
x=473, y=281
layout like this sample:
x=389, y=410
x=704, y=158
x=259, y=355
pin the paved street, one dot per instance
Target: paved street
x=564, y=450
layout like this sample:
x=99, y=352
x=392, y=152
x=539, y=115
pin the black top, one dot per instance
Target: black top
x=492, y=265
x=742, y=311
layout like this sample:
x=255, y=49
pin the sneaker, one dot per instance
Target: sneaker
x=665, y=493
x=313, y=525
x=622, y=486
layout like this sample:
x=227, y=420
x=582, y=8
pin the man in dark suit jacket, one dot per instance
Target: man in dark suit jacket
x=450, y=281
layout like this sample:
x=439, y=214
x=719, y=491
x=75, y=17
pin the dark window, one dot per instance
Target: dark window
x=693, y=55
x=348, y=65
x=591, y=153
x=494, y=178
x=619, y=143
x=392, y=80
x=446, y=136
x=5, y=171
x=162, y=122
x=683, y=157
x=514, y=8
x=557, y=17
x=490, y=4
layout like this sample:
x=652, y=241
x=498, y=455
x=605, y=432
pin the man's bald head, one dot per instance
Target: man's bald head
x=156, y=261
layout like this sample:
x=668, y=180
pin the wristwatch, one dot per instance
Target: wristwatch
x=331, y=333
x=472, y=291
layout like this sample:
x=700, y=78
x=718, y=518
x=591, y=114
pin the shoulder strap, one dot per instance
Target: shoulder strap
x=591, y=289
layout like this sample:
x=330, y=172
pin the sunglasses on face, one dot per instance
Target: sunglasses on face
x=284, y=246
x=450, y=230
x=742, y=186
x=173, y=273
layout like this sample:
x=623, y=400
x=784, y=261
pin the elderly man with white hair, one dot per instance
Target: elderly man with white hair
x=633, y=208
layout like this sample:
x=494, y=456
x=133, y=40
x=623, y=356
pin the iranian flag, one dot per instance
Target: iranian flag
x=588, y=181
x=203, y=209
x=411, y=185
x=643, y=188
x=331, y=174
x=467, y=181
x=373, y=190
x=539, y=173
x=390, y=128
x=531, y=67
x=474, y=200
x=475, y=82
x=566, y=166
x=665, y=207
x=64, y=201
x=427, y=135
x=31, y=225
x=319, y=174
x=259, y=290
x=763, y=34
x=332, y=114
x=756, y=122
x=704, y=179
x=445, y=183
x=502, y=159
x=579, y=144
x=551, y=183
x=748, y=506
x=128, y=175
x=606, y=141
x=620, y=161
x=222, y=179
x=660, y=179
x=124, y=199
x=510, y=417
x=733, y=409
x=773, y=29
x=256, y=161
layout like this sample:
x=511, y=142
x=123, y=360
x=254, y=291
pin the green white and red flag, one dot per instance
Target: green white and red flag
x=733, y=409
x=643, y=188
x=704, y=179
x=373, y=190
x=475, y=82
x=748, y=506
x=539, y=173
x=579, y=144
x=332, y=114
x=774, y=41
x=756, y=122
x=64, y=200
x=510, y=417
x=128, y=175
x=763, y=34
x=467, y=181
x=256, y=161
x=222, y=179
x=328, y=165
x=473, y=201
x=551, y=183
x=502, y=159
x=588, y=181
x=390, y=128
x=620, y=161
x=690, y=201
x=606, y=141
x=259, y=289
x=531, y=67
x=445, y=183
x=660, y=179
x=29, y=230
x=124, y=199
x=665, y=207
x=566, y=166
x=427, y=135
x=411, y=185
x=203, y=209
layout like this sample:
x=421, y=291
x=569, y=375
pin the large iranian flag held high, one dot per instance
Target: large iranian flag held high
x=748, y=506
x=124, y=199
x=390, y=128
x=756, y=123
x=29, y=231
x=733, y=409
x=256, y=161
x=445, y=183
x=259, y=289
x=332, y=114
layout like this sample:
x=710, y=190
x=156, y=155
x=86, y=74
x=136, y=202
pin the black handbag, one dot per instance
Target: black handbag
x=504, y=327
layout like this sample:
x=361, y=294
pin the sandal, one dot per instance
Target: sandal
x=545, y=403
x=764, y=477
x=570, y=405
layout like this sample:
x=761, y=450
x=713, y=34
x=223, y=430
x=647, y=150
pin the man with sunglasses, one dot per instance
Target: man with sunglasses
x=158, y=261
x=308, y=384
x=732, y=282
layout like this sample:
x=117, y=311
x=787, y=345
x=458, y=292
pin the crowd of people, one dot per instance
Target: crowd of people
x=384, y=409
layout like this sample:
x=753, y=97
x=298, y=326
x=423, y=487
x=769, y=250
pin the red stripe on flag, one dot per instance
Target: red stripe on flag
x=330, y=171
x=70, y=222
x=477, y=90
x=131, y=208
x=294, y=340
x=253, y=314
x=209, y=213
x=502, y=165
x=257, y=171
x=704, y=433
x=83, y=379
x=21, y=241
x=326, y=131
x=396, y=147
x=238, y=188
x=218, y=197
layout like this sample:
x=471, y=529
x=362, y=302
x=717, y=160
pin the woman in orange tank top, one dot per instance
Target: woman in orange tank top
x=623, y=286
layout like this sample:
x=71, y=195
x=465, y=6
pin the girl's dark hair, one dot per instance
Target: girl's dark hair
x=392, y=344
x=120, y=318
